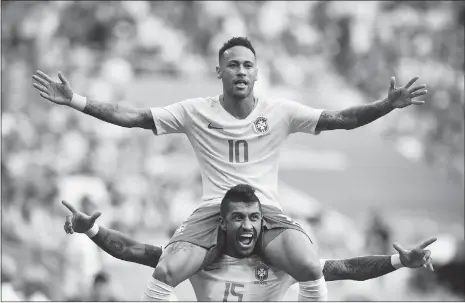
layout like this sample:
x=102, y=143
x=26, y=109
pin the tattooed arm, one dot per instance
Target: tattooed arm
x=62, y=93
x=111, y=241
x=121, y=247
x=120, y=115
x=353, y=117
x=359, y=269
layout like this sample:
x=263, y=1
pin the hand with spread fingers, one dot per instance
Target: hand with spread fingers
x=417, y=257
x=57, y=92
x=403, y=96
x=78, y=222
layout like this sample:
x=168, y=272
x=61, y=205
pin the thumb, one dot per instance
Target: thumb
x=62, y=78
x=95, y=216
x=393, y=83
x=398, y=248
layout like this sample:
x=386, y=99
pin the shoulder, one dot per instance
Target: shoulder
x=198, y=104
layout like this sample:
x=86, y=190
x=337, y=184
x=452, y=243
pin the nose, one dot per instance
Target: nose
x=241, y=71
x=247, y=225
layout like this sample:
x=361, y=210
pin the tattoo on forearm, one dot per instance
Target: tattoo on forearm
x=116, y=114
x=359, y=269
x=102, y=111
x=153, y=253
x=363, y=114
x=114, y=245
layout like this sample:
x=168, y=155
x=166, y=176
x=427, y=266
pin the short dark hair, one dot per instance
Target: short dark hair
x=239, y=193
x=236, y=41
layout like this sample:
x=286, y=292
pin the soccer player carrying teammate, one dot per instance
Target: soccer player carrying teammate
x=236, y=137
x=238, y=275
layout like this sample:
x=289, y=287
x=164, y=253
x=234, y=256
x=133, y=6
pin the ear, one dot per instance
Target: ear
x=222, y=223
x=218, y=72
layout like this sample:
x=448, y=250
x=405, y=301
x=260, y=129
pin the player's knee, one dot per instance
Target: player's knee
x=164, y=273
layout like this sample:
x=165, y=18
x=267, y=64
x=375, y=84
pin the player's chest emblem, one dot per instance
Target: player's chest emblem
x=261, y=126
x=261, y=274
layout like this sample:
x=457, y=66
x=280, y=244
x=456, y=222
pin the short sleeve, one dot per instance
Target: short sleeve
x=170, y=119
x=302, y=118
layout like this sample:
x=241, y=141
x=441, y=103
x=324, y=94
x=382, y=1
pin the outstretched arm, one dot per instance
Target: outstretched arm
x=357, y=116
x=111, y=241
x=120, y=115
x=359, y=269
x=369, y=267
x=124, y=248
x=61, y=93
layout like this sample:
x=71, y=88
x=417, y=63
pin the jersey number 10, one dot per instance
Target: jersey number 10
x=236, y=148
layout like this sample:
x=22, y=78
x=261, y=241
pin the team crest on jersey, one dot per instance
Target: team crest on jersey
x=261, y=273
x=261, y=126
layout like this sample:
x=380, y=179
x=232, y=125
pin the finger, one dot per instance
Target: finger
x=427, y=254
x=429, y=263
x=95, y=216
x=68, y=219
x=417, y=88
x=411, y=82
x=398, y=248
x=69, y=206
x=416, y=102
x=393, y=82
x=62, y=78
x=426, y=243
x=40, y=80
x=40, y=87
x=418, y=94
x=46, y=96
x=68, y=229
x=45, y=76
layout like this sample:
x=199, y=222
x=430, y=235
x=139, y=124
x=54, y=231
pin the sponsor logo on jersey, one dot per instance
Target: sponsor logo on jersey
x=261, y=274
x=261, y=126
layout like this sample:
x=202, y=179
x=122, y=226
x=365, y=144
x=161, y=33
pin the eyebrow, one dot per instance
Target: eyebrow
x=242, y=214
x=236, y=61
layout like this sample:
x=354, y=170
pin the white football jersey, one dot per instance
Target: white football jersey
x=232, y=151
x=248, y=279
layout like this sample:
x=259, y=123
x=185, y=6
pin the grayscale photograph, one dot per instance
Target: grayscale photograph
x=232, y=151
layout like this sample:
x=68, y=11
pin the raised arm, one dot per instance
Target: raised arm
x=61, y=93
x=369, y=267
x=111, y=241
x=356, y=116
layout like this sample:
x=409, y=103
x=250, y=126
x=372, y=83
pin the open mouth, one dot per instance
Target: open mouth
x=246, y=239
x=240, y=83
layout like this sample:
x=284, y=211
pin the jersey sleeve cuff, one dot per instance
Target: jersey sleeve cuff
x=156, y=112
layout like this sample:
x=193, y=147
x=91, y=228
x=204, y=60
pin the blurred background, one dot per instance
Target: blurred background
x=399, y=179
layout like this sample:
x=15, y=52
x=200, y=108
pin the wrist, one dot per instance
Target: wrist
x=389, y=103
x=92, y=231
x=395, y=261
x=78, y=102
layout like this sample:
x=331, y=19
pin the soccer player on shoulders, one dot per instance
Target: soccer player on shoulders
x=240, y=275
x=237, y=139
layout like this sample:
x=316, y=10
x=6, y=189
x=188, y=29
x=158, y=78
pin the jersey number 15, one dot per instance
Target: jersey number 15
x=231, y=290
x=236, y=148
